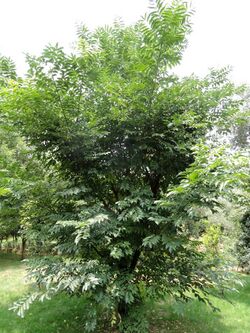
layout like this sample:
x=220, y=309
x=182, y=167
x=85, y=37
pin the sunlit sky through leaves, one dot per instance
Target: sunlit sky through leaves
x=221, y=29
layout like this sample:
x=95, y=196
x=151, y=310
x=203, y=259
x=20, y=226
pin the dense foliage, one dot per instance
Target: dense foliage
x=116, y=211
x=11, y=151
x=243, y=244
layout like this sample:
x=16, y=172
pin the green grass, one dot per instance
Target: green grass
x=234, y=316
x=66, y=315
x=60, y=315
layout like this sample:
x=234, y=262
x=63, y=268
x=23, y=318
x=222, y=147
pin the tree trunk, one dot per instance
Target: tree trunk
x=23, y=247
x=122, y=310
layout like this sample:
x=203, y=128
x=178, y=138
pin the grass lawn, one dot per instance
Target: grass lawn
x=60, y=315
x=233, y=317
x=65, y=315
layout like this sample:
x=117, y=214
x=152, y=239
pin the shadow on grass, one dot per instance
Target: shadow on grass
x=9, y=261
x=198, y=318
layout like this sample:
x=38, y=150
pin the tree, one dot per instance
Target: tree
x=241, y=127
x=19, y=172
x=19, y=168
x=121, y=128
x=243, y=245
x=7, y=70
x=8, y=218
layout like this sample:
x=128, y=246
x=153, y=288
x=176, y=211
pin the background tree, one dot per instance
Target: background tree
x=241, y=127
x=19, y=169
x=7, y=70
x=8, y=220
x=243, y=245
x=19, y=172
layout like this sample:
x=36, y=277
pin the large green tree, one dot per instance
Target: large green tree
x=121, y=128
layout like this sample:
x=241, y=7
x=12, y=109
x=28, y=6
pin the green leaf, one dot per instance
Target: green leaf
x=151, y=240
